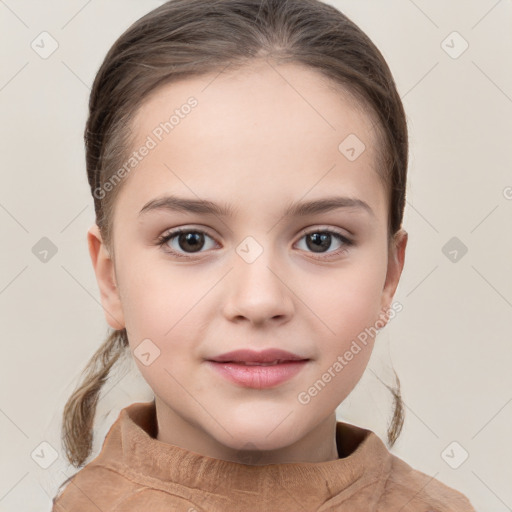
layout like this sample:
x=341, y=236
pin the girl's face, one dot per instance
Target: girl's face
x=251, y=143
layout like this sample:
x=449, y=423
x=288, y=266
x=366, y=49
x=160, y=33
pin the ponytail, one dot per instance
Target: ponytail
x=397, y=421
x=80, y=409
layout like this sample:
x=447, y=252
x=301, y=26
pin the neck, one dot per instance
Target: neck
x=316, y=445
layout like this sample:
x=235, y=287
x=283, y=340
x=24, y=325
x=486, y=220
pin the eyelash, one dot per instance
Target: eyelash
x=163, y=239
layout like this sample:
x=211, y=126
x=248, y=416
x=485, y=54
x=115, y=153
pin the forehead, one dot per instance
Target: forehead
x=262, y=129
x=262, y=93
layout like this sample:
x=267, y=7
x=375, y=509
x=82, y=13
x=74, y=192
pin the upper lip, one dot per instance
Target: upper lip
x=250, y=356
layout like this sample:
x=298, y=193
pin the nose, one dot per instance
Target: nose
x=258, y=292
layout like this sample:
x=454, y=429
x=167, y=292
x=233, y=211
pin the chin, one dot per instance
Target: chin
x=257, y=433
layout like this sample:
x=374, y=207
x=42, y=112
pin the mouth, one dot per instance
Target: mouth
x=258, y=375
x=258, y=370
x=267, y=356
x=255, y=363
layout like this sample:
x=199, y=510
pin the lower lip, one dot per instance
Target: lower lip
x=258, y=377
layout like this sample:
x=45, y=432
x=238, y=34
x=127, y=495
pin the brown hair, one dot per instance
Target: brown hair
x=186, y=38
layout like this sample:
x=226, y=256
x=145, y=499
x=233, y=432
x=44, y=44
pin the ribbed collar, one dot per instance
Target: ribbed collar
x=131, y=448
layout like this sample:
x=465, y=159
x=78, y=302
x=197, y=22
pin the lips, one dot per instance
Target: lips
x=259, y=370
x=268, y=357
x=247, y=363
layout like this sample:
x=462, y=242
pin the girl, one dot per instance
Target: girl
x=247, y=160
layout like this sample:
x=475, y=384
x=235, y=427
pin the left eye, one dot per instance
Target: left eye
x=318, y=240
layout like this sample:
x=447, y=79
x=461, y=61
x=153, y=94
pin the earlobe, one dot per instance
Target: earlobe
x=396, y=260
x=105, y=276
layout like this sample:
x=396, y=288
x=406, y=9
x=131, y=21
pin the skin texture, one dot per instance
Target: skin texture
x=260, y=138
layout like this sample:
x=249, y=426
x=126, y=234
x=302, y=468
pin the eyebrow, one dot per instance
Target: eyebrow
x=295, y=209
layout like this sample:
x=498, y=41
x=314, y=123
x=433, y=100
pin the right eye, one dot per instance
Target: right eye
x=186, y=240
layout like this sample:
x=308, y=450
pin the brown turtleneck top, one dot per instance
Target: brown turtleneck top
x=136, y=472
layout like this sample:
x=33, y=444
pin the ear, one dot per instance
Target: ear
x=105, y=276
x=396, y=259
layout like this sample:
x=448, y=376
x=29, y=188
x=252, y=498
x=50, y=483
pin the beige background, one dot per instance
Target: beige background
x=451, y=344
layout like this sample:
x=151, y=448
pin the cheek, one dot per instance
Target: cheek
x=163, y=307
x=155, y=299
x=351, y=298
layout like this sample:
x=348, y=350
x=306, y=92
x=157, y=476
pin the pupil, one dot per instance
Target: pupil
x=193, y=239
x=320, y=240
